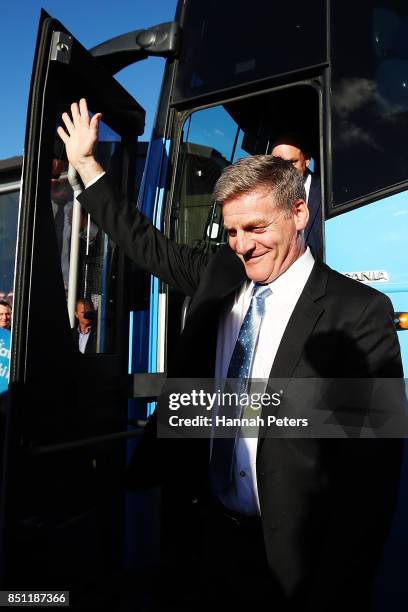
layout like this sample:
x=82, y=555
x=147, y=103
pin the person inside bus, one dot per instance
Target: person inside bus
x=62, y=202
x=83, y=333
x=5, y=315
x=290, y=146
x=295, y=524
x=62, y=208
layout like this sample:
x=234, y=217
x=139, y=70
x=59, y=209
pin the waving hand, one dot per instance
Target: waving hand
x=81, y=140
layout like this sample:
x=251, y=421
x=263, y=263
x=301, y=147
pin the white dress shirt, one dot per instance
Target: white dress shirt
x=95, y=179
x=308, y=182
x=83, y=338
x=279, y=305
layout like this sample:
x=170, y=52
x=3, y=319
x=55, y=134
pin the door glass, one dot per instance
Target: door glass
x=97, y=261
x=62, y=203
x=63, y=468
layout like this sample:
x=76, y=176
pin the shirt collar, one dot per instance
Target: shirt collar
x=293, y=279
x=308, y=182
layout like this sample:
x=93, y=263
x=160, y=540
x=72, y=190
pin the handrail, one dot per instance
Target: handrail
x=74, y=444
x=74, y=181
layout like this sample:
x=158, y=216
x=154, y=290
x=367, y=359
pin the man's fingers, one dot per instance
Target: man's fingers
x=75, y=113
x=83, y=109
x=95, y=121
x=68, y=123
x=80, y=116
x=63, y=135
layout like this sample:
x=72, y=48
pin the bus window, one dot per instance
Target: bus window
x=215, y=137
x=369, y=128
x=247, y=43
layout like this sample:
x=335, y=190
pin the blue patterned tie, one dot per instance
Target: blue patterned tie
x=240, y=366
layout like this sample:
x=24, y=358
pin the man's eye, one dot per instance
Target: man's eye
x=232, y=233
x=258, y=230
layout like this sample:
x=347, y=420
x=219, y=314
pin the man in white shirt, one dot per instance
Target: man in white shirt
x=300, y=523
x=84, y=332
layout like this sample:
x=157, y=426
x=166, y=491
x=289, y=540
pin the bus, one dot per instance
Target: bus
x=234, y=81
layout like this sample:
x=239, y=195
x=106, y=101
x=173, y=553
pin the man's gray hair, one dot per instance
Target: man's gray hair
x=273, y=174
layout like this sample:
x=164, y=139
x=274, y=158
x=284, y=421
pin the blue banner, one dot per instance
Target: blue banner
x=5, y=338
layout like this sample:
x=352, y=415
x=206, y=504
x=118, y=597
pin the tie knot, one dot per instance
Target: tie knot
x=261, y=291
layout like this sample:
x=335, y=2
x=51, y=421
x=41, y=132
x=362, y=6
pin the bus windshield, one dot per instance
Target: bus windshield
x=224, y=48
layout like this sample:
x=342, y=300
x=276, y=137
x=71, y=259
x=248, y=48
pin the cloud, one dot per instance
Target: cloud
x=351, y=133
x=399, y=213
x=391, y=237
x=359, y=94
x=354, y=94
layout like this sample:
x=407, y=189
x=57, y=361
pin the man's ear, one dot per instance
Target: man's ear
x=301, y=214
x=307, y=161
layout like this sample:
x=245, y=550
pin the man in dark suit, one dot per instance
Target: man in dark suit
x=291, y=147
x=83, y=333
x=300, y=522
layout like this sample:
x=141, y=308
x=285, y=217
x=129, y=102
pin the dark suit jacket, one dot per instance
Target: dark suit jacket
x=313, y=230
x=90, y=345
x=325, y=503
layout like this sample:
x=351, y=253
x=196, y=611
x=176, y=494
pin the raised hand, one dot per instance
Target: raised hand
x=81, y=140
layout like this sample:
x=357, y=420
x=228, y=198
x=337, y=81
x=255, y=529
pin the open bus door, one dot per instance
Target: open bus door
x=66, y=420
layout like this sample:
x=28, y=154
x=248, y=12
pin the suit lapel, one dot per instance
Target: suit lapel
x=305, y=315
x=298, y=330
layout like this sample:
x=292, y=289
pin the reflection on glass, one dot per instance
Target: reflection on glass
x=96, y=253
x=213, y=140
x=62, y=202
x=240, y=42
x=369, y=98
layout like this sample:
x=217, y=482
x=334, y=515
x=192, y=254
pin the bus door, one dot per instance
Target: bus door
x=65, y=414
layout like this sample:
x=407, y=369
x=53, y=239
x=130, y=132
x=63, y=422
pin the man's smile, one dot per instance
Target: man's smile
x=253, y=258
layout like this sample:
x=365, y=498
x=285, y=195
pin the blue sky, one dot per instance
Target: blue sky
x=91, y=22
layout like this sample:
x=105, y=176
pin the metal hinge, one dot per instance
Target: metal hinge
x=61, y=47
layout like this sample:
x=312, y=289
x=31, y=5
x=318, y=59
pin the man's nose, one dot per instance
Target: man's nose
x=244, y=243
